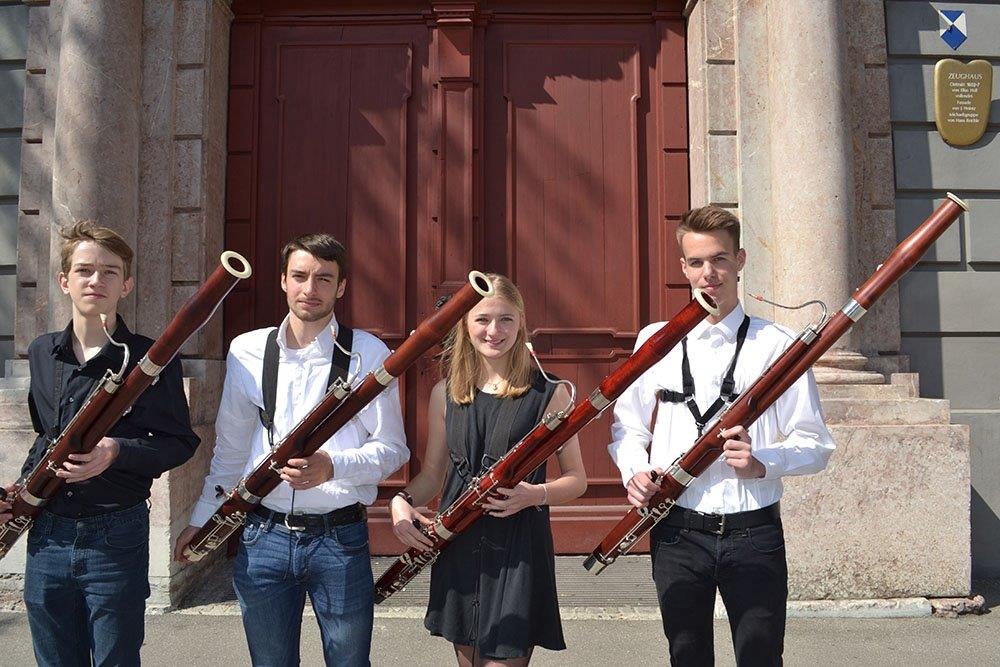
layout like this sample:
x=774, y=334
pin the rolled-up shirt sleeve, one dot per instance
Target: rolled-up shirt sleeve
x=235, y=427
x=383, y=441
x=630, y=434
x=808, y=444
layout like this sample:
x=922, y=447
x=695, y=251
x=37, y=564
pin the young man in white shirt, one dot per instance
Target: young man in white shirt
x=309, y=536
x=725, y=533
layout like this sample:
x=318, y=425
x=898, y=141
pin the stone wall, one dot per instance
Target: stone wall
x=13, y=48
x=124, y=117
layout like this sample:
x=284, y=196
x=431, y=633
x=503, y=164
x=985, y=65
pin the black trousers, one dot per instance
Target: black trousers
x=747, y=566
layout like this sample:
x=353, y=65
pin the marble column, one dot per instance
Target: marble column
x=812, y=200
x=95, y=166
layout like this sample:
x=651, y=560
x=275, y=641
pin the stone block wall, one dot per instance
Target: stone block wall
x=125, y=121
x=13, y=50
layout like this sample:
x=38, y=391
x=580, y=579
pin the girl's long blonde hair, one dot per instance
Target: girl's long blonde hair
x=461, y=365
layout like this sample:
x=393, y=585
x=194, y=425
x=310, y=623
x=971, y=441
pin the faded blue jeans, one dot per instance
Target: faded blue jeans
x=274, y=571
x=85, y=587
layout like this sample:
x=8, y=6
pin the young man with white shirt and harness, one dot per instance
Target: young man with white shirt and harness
x=725, y=533
x=309, y=536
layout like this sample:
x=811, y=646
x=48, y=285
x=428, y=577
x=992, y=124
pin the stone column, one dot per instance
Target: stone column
x=813, y=196
x=95, y=167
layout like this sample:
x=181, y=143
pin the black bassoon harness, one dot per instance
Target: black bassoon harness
x=726, y=396
x=269, y=379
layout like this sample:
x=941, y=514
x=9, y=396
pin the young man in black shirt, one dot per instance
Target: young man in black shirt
x=86, y=576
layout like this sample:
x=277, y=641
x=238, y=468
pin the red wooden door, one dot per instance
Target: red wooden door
x=551, y=149
x=585, y=174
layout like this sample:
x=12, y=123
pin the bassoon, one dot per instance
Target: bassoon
x=113, y=396
x=340, y=404
x=541, y=442
x=808, y=347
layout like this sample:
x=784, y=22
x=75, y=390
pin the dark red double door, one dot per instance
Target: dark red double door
x=552, y=148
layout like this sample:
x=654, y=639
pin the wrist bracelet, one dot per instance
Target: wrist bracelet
x=545, y=495
x=405, y=496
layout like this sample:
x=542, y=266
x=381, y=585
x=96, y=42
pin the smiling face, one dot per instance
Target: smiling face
x=311, y=286
x=711, y=262
x=493, y=326
x=95, y=281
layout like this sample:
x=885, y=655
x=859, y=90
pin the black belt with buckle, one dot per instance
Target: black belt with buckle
x=338, y=517
x=719, y=524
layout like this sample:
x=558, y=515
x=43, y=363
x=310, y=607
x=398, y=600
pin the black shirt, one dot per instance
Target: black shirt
x=154, y=436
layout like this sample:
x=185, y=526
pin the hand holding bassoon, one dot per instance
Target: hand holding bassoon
x=111, y=398
x=769, y=387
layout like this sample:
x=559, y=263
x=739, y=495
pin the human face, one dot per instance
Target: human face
x=96, y=280
x=493, y=327
x=311, y=286
x=711, y=263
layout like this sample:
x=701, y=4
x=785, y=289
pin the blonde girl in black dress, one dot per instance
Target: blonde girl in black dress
x=493, y=592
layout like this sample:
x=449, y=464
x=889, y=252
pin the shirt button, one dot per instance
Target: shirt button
x=69, y=494
x=70, y=399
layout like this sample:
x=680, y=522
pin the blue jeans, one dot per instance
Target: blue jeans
x=274, y=571
x=85, y=587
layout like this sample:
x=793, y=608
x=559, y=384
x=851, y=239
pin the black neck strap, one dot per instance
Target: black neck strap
x=727, y=394
x=269, y=380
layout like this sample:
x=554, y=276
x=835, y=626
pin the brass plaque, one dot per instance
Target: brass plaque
x=962, y=94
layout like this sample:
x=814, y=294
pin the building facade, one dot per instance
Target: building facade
x=558, y=143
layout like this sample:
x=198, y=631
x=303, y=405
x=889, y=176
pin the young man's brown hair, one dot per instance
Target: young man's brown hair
x=88, y=230
x=710, y=219
x=321, y=246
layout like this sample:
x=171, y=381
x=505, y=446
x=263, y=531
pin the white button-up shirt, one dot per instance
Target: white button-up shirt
x=790, y=438
x=365, y=451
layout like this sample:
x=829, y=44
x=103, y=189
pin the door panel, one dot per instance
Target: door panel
x=573, y=120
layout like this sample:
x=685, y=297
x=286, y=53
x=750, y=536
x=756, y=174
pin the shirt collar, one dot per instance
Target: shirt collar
x=727, y=328
x=320, y=347
x=64, y=341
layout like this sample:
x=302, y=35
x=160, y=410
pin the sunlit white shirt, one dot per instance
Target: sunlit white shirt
x=790, y=438
x=365, y=451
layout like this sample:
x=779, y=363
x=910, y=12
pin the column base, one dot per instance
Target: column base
x=845, y=367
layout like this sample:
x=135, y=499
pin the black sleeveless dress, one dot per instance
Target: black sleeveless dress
x=495, y=586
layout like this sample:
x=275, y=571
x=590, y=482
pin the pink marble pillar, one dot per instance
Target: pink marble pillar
x=95, y=166
x=812, y=201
